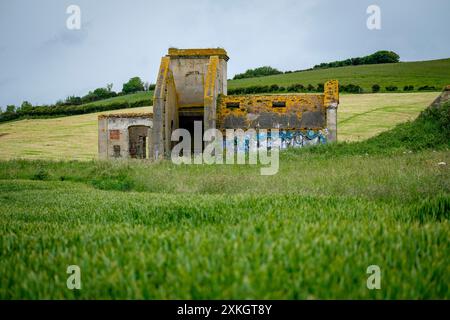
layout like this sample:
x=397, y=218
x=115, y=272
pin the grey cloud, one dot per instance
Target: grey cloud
x=67, y=37
x=124, y=38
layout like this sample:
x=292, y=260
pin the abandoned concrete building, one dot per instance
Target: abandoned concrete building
x=192, y=86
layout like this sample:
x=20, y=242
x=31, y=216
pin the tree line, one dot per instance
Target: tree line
x=297, y=87
x=378, y=57
x=91, y=102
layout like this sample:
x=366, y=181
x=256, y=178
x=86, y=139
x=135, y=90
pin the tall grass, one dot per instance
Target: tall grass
x=160, y=231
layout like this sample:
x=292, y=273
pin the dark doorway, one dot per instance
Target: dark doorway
x=186, y=121
x=138, y=136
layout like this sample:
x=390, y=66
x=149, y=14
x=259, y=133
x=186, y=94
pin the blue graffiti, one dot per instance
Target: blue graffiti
x=288, y=139
x=298, y=139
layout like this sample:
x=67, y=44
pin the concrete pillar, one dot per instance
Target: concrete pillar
x=211, y=92
x=332, y=123
x=159, y=101
x=102, y=137
x=331, y=102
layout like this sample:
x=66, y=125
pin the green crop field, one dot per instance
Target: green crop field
x=159, y=231
x=421, y=73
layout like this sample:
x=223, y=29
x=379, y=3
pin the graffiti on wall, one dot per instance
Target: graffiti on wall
x=298, y=139
x=287, y=138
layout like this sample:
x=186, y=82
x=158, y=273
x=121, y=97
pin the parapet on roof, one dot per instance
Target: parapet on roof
x=126, y=115
x=191, y=53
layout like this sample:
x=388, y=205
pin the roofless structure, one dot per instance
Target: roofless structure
x=192, y=86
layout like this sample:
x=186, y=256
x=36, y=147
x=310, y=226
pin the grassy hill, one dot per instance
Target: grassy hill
x=75, y=137
x=226, y=232
x=433, y=73
x=129, y=98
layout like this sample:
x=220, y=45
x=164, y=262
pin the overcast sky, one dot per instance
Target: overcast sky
x=41, y=60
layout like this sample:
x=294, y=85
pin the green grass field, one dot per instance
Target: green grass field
x=161, y=231
x=75, y=137
x=433, y=73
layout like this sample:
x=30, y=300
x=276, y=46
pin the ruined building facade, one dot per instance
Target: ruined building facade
x=192, y=86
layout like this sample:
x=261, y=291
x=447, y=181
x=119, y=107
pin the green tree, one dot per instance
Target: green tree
x=384, y=57
x=102, y=93
x=73, y=100
x=258, y=72
x=376, y=88
x=11, y=108
x=135, y=84
x=26, y=106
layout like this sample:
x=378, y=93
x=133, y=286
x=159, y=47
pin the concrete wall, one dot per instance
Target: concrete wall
x=293, y=114
x=170, y=111
x=114, y=134
x=299, y=111
x=189, y=76
x=194, y=82
x=181, y=85
x=159, y=102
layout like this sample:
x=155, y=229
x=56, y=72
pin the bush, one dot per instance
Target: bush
x=274, y=88
x=351, y=88
x=320, y=87
x=427, y=88
x=408, y=88
x=258, y=72
x=376, y=88
x=391, y=88
x=297, y=87
x=41, y=174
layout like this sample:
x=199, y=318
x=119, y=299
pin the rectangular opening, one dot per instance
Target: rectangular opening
x=279, y=104
x=116, y=149
x=232, y=105
x=186, y=120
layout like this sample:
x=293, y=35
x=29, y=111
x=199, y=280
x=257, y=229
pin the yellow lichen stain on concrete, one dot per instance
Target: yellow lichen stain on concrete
x=210, y=78
x=174, y=52
x=331, y=93
x=295, y=104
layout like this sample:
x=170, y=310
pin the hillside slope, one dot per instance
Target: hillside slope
x=421, y=73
